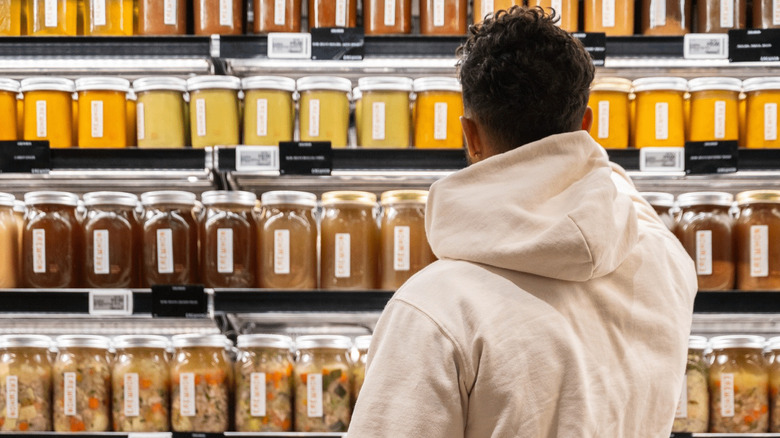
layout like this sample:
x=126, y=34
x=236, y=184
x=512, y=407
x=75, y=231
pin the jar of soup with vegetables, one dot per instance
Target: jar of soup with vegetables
x=359, y=368
x=694, y=406
x=773, y=346
x=25, y=383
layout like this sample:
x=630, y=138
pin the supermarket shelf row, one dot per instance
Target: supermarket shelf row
x=323, y=435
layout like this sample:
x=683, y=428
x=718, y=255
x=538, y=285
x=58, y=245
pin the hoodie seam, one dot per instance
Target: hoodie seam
x=587, y=246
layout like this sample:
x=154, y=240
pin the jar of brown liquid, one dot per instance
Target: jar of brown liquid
x=9, y=242
x=766, y=15
x=662, y=203
x=443, y=17
x=112, y=240
x=222, y=17
x=349, y=241
x=277, y=16
x=162, y=17
x=288, y=241
x=705, y=230
x=720, y=16
x=332, y=13
x=227, y=239
x=51, y=241
x=383, y=17
x=666, y=17
x=403, y=246
x=170, y=238
x=758, y=230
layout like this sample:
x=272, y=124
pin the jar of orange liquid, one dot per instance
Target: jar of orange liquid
x=11, y=20
x=108, y=17
x=714, y=111
x=485, y=7
x=660, y=108
x=567, y=10
x=763, y=97
x=131, y=118
x=9, y=89
x=52, y=17
x=609, y=102
x=613, y=17
x=102, y=112
x=437, y=111
x=48, y=109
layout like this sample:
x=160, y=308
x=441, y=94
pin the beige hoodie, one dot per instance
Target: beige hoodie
x=561, y=307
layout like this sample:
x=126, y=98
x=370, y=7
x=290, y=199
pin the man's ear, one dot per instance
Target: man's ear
x=473, y=141
x=587, y=119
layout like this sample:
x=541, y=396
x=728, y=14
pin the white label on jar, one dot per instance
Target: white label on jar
x=389, y=12
x=401, y=251
x=131, y=395
x=314, y=395
x=39, y=251
x=281, y=251
x=50, y=13
x=770, y=121
x=727, y=13
x=169, y=12
x=378, y=121
x=226, y=13
x=341, y=13
x=280, y=10
x=661, y=121
x=440, y=121
x=100, y=251
x=40, y=118
x=727, y=395
x=257, y=394
x=557, y=6
x=314, y=118
x=200, y=117
x=187, y=394
x=262, y=117
x=11, y=397
x=343, y=255
x=487, y=8
x=225, y=250
x=759, y=251
x=97, y=119
x=140, y=125
x=438, y=13
x=99, y=12
x=608, y=13
x=776, y=12
x=603, y=119
x=704, y=252
x=682, y=404
x=165, y=251
x=658, y=13
x=69, y=393
x=720, y=119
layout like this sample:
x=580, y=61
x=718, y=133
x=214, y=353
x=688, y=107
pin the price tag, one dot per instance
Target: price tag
x=595, y=44
x=149, y=435
x=706, y=46
x=25, y=157
x=197, y=435
x=707, y=157
x=305, y=158
x=179, y=301
x=657, y=159
x=339, y=43
x=754, y=45
x=289, y=45
x=111, y=302
x=257, y=158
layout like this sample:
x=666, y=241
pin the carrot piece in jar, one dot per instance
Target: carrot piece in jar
x=23, y=426
x=94, y=403
x=76, y=425
x=146, y=383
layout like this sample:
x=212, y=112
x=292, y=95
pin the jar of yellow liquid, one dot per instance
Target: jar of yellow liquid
x=9, y=89
x=610, y=106
x=437, y=112
x=160, y=120
x=269, y=110
x=10, y=17
x=214, y=116
x=102, y=112
x=48, y=109
x=384, y=120
x=714, y=109
x=324, y=111
x=567, y=10
x=660, y=112
x=763, y=98
x=109, y=17
x=52, y=17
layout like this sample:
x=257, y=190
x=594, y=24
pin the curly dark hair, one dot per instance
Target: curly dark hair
x=523, y=77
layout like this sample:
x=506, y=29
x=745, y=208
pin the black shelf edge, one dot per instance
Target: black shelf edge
x=62, y=301
x=737, y=302
x=184, y=46
x=645, y=46
x=749, y=159
x=267, y=300
x=128, y=159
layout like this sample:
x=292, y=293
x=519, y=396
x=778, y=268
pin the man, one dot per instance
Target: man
x=561, y=304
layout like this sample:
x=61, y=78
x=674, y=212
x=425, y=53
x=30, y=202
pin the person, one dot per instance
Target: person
x=560, y=305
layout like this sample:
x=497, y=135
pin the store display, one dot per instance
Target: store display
x=757, y=230
x=52, y=17
x=384, y=120
x=387, y=17
x=720, y=16
x=214, y=110
x=761, y=116
x=269, y=110
x=166, y=17
x=773, y=348
x=108, y=17
x=609, y=103
x=567, y=10
x=218, y=17
x=9, y=89
x=359, y=367
x=484, y=7
x=277, y=16
x=25, y=383
x=332, y=13
x=9, y=241
x=714, y=112
x=613, y=17
x=48, y=114
x=102, y=115
x=666, y=17
x=324, y=109
x=693, y=408
x=443, y=17
x=766, y=14
x=437, y=112
x=660, y=109
x=160, y=112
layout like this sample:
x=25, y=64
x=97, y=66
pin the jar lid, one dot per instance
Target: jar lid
x=141, y=341
x=758, y=84
x=658, y=198
x=662, y=83
x=9, y=85
x=619, y=85
x=110, y=198
x=197, y=340
x=208, y=82
x=277, y=197
x=268, y=83
x=437, y=83
x=19, y=206
x=60, y=198
x=7, y=200
x=357, y=94
x=697, y=343
x=168, y=197
x=385, y=83
x=267, y=341
x=705, y=198
x=705, y=84
x=324, y=83
x=229, y=197
x=157, y=83
x=773, y=343
x=25, y=341
x=322, y=341
x=329, y=198
x=103, y=83
x=84, y=341
x=737, y=341
x=404, y=196
x=46, y=83
x=363, y=342
x=758, y=196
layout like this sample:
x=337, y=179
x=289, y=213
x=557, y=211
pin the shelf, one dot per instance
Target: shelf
x=238, y=301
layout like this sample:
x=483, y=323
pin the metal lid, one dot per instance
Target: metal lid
x=197, y=340
x=697, y=343
x=110, y=198
x=357, y=94
x=322, y=341
x=213, y=82
x=305, y=199
x=168, y=197
x=405, y=196
x=619, y=85
x=758, y=196
x=705, y=198
x=363, y=342
x=264, y=341
x=83, y=341
x=658, y=198
x=141, y=341
x=102, y=83
x=324, y=83
x=705, y=84
x=25, y=341
x=60, y=198
x=268, y=83
x=46, y=83
x=758, y=84
x=437, y=83
x=773, y=343
x=662, y=83
x=352, y=197
x=9, y=85
x=160, y=83
x=737, y=341
x=228, y=197
x=385, y=83
x=19, y=206
x=7, y=200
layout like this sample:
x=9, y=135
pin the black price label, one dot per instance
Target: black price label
x=754, y=45
x=707, y=157
x=179, y=301
x=25, y=157
x=681, y=435
x=305, y=158
x=595, y=44
x=339, y=43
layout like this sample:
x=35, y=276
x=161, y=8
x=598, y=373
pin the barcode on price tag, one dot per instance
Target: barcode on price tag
x=706, y=46
x=254, y=158
x=289, y=45
x=658, y=159
x=111, y=302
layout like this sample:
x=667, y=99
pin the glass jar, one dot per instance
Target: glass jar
x=166, y=17
x=403, y=246
x=288, y=241
x=140, y=384
x=214, y=110
x=52, y=17
x=705, y=231
x=324, y=109
x=160, y=112
x=763, y=97
x=666, y=17
x=662, y=203
x=438, y=108
x=108, y=18
x=359, y=367
x=11, y=19
x=131, y=119
x=774, y=384
x=9, y=89
x=693, y=408
x=349, y=241
x=102, y=112
x=228, y=231
x=264, y=384
x=757, y=229
x=567, y=10
x=387, y=17
x=714, y=112
x=82, y=384
x=609, y=102
x=443, y=17
x=170, y=238
x=322, y=386
x=766, y=14
x=660, y=109
x=51, y=240
x=332, y=13
x=739, y=385
x=25, y=383
x=9, y=244
x=277, y=16
x=720, y=16
x=218, y=17
x=613, y=17
x=112, y=240
x=201, y=378
x=48, y=114
x=19, y=212
x=269, y=110
x=385, y=117
x=484, y=7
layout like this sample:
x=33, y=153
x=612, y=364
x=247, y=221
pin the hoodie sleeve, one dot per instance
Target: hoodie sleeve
x=413, y=386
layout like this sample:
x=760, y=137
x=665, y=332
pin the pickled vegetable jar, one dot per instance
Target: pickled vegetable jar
x=11, y=18
x=763, y=97
x=160, y=119
x=720, y=16
x=349, y=241
x=25, y=383
x=332, y=13
x=443, y=17
x=714, y=112
x=739, y=385
x=214, y=110
x=264, y=384
x=609, y=102
x=277, y=16
x=227, y=244
x=384, y=120
x=484, y=7
x=766, y=14
x=613, y=17
x=48, y=110
x=383, y=17
x=567, y=10
x=52, y=17
x=218, y=17
x=662, y=203
x=773, y=345
x=359, y=367
x=102, y=112
x=162, y=17
x=287, y=241
x=9, y=243
x=9, y=89
x=758, y=230
x=324, y=109
x=201, y=378
x=693, y=408
x=437, y=112
x=660, y=112
x=666, y=17
x=269, y=110
x=82, y=384
x=322, y=386
x=109, y=17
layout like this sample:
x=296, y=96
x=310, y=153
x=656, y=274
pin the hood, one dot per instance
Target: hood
x=547, y=208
